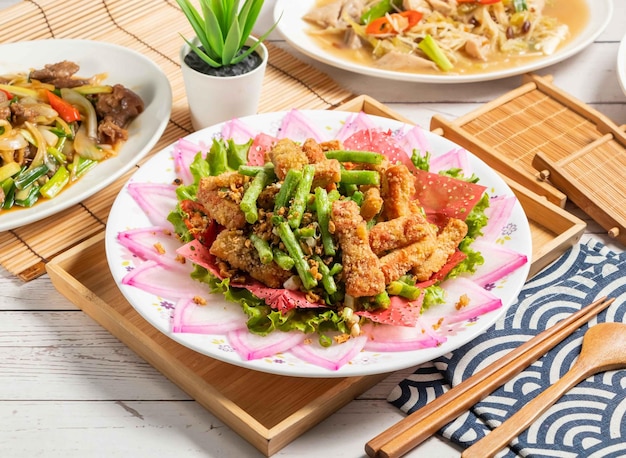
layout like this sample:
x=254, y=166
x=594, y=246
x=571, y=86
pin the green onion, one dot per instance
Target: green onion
x=434, y=53
x=8, y=170
x=29, y=176
x=55, y=184
x=27, y=197
x=520, y=5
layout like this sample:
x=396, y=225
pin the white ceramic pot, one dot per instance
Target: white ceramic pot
x=214, y=99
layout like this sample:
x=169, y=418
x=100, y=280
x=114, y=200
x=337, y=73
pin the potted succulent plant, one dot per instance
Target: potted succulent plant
x=223, y=65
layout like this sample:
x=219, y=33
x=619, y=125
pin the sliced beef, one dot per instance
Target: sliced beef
x=60, y=74
x=120, y=106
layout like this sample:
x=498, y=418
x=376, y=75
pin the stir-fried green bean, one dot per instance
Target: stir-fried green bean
x=248, y=202
x=263, y=249
x=293, y=248
x=287, y=189
x=300, y=198
x=322, y=207
x=283, y=260
x=400, y=288
x=360, y=177
x=328, y=282
x=364, y=157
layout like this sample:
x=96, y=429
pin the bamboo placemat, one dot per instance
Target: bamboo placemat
x=151, y=27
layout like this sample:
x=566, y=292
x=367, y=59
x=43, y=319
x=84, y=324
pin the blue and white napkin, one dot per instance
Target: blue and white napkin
x=590, y=420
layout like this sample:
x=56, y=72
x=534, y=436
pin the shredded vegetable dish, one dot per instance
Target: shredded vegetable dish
x=54, y=127
x=438, y=36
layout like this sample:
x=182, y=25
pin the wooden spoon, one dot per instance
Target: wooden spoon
x=603, y=349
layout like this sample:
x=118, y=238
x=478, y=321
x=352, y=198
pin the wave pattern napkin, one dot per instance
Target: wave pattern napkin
x=588, y=421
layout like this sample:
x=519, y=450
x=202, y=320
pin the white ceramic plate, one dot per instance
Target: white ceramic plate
x=122, y=65
x=621, y=64
x=293, y=28
x=126, y=214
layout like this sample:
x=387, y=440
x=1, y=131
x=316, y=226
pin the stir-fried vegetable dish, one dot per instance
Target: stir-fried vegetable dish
x=54, y=127
x=450, y=36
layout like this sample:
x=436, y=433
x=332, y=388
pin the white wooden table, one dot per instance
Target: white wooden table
x=69, y=389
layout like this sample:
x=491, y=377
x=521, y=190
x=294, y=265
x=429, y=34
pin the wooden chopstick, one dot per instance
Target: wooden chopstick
x=423, y=423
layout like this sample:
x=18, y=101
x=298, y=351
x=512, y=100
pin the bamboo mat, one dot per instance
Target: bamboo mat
x=151, y=27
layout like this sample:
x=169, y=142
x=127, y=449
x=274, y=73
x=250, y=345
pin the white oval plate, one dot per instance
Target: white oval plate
x=121, y=65
x=621, y=64
x=126, y=214
x=293, y=28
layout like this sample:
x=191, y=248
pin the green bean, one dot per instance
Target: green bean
x=328, y=282
x=335, y=269
x=287, y=189
x=304, y=232
x=323, y=207
x=301, y=196
x=248, y=202
x=400, y=288
x=359, y=177
x=365, y=157
x=253, y=170
x=263, y=249
x=283, y=260
x=333, y=195
x=382, y=300
x=293, y=248
x=358, y=197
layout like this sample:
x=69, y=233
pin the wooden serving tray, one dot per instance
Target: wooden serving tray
x=82, y=275
x=537, y=117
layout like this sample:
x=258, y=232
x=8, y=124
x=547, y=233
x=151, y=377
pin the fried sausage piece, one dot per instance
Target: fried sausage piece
x=397, y=191
x=361, y=267
x=220, y=196
x=447, y=242
x=399, y=232
x=235, y=248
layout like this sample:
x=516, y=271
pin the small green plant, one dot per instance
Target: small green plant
x=223, y=28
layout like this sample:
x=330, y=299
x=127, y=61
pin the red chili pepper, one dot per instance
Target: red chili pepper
x=7, y=93
x=382, y=25
x=67, y=111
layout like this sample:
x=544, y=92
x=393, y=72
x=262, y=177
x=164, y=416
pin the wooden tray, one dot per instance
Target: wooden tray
x=82, y=275
x=537, y=117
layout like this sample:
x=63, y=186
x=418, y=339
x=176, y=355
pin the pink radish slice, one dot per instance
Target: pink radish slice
x=481, y=301
x=414, y=139
x=297, y=127
x=212, y=318
x=353, y=124
x=252, y=346
x=155, y=243
x=454, y=159
x=156, y=200
x=165, y=282
x=383, y=337
x=333, y=357
x=499, y=262
x=184, y=153
x=237, y=131
x=262, y=144
x=499, y=212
